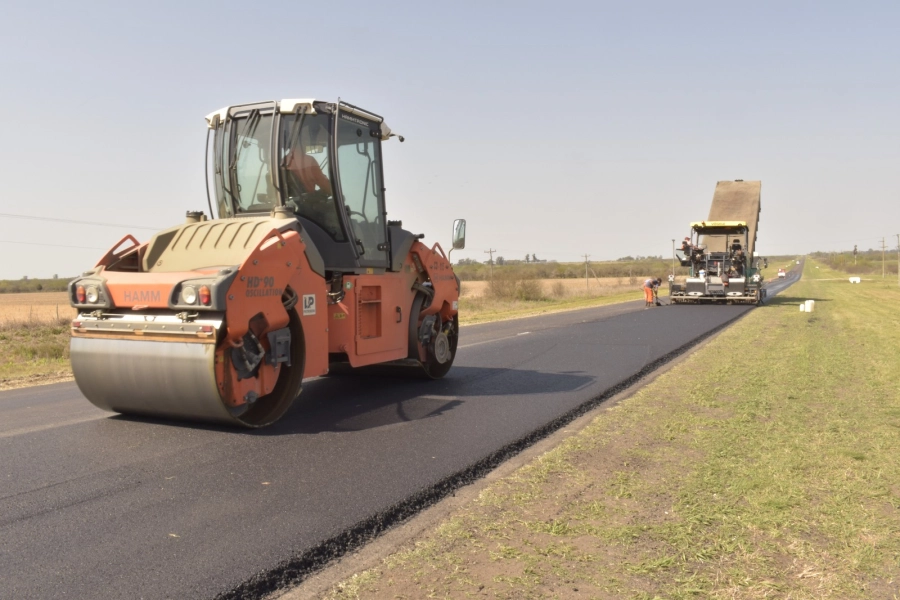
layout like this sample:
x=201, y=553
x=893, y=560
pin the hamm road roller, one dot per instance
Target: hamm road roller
x=297, y=268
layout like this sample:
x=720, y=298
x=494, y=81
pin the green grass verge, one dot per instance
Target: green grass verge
x=30, y=349
x=763, y=465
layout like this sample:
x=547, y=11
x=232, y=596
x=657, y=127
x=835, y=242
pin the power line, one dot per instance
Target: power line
x=51, y=245
x=33, y=218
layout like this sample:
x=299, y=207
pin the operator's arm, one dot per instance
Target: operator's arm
x=308, y=172
x=320, y=179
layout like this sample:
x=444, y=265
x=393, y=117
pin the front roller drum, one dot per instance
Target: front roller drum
x=175, y=380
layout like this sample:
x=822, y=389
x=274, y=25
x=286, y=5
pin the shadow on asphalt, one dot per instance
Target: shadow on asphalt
x=359, y=400
x=356, y=401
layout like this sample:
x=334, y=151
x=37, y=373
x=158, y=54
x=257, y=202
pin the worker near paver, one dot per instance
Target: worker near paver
x=648, y=292
x=651, y=287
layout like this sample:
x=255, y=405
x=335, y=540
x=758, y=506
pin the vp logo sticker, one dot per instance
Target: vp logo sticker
x=309, y=304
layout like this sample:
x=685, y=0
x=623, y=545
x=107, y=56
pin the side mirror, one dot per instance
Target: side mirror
x=459, y=234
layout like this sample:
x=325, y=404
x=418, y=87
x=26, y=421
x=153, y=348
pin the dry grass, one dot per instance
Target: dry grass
x=484, y=309
x=33, y=351
x=34, y=338
x=567, y=288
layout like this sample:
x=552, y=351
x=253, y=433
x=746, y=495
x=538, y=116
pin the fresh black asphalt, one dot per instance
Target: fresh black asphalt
x=94, y=505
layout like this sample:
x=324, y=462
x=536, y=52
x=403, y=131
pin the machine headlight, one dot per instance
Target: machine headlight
x=188, y=295
x=92, y=294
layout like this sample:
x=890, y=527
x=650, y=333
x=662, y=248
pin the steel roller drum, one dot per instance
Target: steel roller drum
x=171, y=379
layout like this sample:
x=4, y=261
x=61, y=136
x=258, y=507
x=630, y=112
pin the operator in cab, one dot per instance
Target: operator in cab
x=304, y=167
x=737, y=257
x=308, y=185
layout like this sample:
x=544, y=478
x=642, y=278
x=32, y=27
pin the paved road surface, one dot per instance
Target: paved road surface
x=97, y=506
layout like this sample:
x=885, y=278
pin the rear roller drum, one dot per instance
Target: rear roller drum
x=272, y=406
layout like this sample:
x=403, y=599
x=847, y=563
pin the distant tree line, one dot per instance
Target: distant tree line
x=500, y=261
x=25, y=285
x=639, y=257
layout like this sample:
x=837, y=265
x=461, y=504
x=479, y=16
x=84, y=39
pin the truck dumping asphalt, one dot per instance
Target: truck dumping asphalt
x=735, y=201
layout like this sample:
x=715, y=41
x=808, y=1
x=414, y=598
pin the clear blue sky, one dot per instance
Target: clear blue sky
x=555, y=128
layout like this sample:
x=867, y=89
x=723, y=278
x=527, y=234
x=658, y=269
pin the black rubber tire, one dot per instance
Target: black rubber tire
x=413, y=335
x=272, y=407
x=432, y=368
x=436, y=370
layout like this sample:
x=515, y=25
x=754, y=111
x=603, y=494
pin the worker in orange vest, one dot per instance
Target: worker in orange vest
x=648, y=292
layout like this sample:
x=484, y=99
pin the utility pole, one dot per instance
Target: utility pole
x=882, y=257
x=587, y=289
x=673, y=259
x=491, y=262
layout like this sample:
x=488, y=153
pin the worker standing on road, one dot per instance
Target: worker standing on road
x=648, y=292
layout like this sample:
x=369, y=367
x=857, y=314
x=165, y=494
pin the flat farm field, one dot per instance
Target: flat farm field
x=42, y=307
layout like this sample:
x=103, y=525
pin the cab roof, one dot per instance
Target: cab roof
x=305, y=105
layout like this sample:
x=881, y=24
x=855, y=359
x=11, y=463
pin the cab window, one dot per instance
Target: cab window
x=360, y=173
x=252, y=184
x=306, y=171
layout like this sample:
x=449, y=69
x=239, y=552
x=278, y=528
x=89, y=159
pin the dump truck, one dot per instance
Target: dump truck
x=721, y=251
x=295, y=269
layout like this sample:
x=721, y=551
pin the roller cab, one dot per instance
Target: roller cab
x=220, y=319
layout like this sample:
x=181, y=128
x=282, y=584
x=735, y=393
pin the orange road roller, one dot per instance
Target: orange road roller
x=221, y=319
